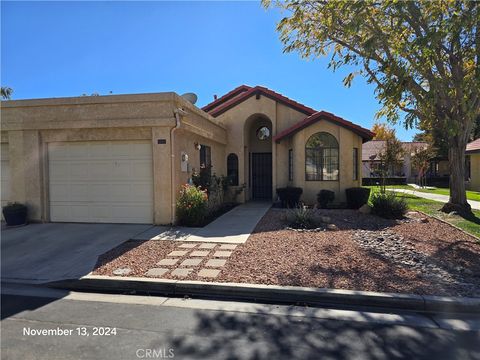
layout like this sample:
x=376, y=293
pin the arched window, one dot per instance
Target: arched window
x=232, y=169
x=321, y=157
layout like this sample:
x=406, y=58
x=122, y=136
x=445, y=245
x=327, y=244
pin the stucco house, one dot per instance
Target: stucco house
x=473, y=165
x=123, y=158
x=404, y=171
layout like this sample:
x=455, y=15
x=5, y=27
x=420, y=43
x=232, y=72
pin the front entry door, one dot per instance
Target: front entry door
x=262, y=176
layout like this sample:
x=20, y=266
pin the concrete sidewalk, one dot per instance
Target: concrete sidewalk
x=436, y=197
x=233, y=227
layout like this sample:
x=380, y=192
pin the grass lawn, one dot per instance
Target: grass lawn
x=431, y=207
x=471, y=195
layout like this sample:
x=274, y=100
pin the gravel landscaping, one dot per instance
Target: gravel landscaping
x=418, y=255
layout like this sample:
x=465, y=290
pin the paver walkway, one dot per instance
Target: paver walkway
x=190, y=259
x=233, y=227
x=436, y=197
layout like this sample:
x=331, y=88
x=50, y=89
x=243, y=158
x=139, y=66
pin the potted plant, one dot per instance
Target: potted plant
x=15, y=214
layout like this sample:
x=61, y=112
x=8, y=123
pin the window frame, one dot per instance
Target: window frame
x=206, y=152
x=319, y=153
x=232, y=157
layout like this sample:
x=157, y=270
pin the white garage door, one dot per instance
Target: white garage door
x=5, y=175
x=101, y=181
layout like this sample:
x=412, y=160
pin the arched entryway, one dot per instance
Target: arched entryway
x=258, y=149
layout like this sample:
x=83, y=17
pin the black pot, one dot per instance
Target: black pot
x=15, y=216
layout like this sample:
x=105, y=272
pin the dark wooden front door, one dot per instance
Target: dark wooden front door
x=261, y=176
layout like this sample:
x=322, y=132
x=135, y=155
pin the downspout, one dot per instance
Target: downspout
x=177, y=113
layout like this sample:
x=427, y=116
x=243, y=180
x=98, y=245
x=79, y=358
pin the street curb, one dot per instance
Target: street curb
x=271, y=293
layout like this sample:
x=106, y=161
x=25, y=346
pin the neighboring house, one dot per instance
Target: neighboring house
x=404, y=170
x=473, y=165
x=123, y=158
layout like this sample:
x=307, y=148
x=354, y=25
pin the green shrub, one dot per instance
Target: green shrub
x=289, y=196
x=301, y=218
x=324, y=197
x=357, y=197
x=191, y=205
x=388, y=205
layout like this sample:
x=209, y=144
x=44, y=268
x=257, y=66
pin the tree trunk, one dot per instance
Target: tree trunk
x=458, y=197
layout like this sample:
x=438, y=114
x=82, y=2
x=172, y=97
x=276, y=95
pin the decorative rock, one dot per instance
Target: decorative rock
x=332, y=227
x=365, y=209
x=393, y=247
x=424, y=220
x=122, y=271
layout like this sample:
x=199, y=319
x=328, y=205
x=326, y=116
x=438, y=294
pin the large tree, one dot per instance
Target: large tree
x=422, y=57
x=382, y=131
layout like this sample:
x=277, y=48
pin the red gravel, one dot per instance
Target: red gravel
x=273, y=255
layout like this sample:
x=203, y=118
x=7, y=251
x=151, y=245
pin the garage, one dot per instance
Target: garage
x=5, y=174
x=100, y=181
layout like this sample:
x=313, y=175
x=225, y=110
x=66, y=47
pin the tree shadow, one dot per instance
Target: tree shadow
x=263, y=335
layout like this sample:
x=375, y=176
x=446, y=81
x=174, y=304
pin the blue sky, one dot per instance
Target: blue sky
x=55, y=49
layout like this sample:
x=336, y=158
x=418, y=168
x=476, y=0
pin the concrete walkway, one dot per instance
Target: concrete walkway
x=234, y=227
x=436, y=197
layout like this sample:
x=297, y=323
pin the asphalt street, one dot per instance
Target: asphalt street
x=48, y=324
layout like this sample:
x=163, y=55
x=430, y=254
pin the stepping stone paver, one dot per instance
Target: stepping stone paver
x=228, y=247
x=199, y=253
x=177, y=253
x=167, y=262
x=222, y=254
x=191, y=262
x=182, y=272
x=156, y=272
x=207, y=246
x=188, y=246
x=122, y=271
x=211, y=273
x=216, y=262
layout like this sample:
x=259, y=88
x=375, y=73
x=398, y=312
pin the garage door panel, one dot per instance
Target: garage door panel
x=101, y=182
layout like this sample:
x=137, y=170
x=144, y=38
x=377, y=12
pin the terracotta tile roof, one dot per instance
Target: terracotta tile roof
x=228, y=96
x=323, y=115
x=371, y=149
x=243, y=92
x=473, y=147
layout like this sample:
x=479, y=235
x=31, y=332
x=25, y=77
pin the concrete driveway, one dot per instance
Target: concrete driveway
x=39, y=253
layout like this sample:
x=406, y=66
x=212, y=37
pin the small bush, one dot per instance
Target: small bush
x=301, y=218
x=324, y=197
x=191, y=205
x=357, y=197
x=388, y=205
x=289, y=196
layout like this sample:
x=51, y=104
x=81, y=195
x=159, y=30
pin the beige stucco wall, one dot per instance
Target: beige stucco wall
x=347, y=140
x=242, y=121
x=29, y=125
x=474, y=183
